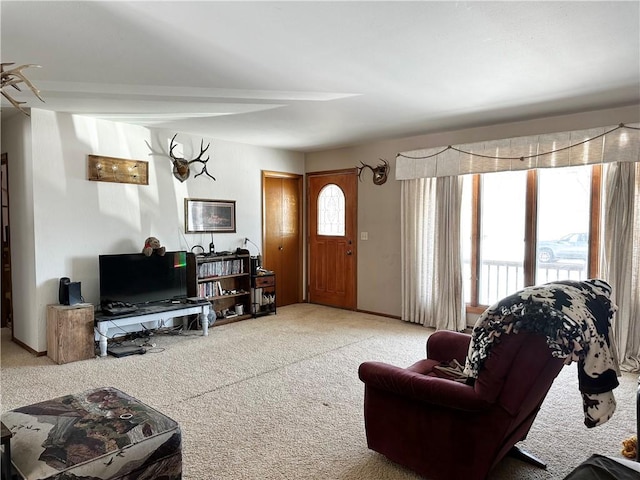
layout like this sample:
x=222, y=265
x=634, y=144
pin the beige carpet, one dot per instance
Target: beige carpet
x=278, y=397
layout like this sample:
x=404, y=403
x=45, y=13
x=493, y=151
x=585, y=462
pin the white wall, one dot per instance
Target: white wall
x=75, y=220
x=379, y=265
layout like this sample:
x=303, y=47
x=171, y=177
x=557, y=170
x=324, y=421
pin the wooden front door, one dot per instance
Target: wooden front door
x=282, y=243
x=332, y=212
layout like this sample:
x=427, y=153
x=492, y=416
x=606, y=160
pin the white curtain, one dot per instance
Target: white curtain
x=431, y=253
x=621, y=262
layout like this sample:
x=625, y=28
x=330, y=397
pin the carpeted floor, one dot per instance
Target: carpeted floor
x=278, y=397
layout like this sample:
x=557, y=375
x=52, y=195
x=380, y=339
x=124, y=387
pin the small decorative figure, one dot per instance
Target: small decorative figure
x=151, y=245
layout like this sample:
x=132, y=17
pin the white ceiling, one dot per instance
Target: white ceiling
x=314, y=75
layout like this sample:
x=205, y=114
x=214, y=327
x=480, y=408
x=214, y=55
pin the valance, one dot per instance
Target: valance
x=619, y=143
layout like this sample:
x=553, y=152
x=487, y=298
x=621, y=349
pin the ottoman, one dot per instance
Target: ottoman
x=98, y=434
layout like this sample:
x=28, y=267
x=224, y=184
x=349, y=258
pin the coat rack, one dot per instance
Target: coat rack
x=118, y=170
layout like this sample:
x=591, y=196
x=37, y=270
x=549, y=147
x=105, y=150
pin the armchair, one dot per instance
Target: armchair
x=445, y=429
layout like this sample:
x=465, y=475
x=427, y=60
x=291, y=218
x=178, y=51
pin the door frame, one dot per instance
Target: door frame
x=6, y=302
x=300, y=197
x=324, y=173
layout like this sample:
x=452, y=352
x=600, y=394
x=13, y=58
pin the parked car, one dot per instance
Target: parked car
x=574, y=246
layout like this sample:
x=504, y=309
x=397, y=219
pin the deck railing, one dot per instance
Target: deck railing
x=499, y=278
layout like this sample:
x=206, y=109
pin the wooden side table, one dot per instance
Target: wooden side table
x=263, y=294
x=70, y=332
x=6, y=452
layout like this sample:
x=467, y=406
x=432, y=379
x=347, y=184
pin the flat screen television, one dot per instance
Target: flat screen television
x=138, y=279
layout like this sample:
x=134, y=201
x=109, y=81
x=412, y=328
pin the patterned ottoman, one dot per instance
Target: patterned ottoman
x=94, y=435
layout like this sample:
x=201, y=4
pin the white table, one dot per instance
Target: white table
x=150, y=314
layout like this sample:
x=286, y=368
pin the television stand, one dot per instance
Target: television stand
x=150, y=313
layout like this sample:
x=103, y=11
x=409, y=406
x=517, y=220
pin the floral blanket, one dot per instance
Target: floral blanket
x=575, y=316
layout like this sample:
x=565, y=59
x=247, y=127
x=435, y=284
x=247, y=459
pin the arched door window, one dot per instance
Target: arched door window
x=331, y=211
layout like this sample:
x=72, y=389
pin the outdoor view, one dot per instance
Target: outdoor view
x=562, y=230
x=563, y=223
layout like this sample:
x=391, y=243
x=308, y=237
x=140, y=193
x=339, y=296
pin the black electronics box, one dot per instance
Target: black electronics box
x=256, y=262
x=125, y=351
x=75, y=295
x=69, y=293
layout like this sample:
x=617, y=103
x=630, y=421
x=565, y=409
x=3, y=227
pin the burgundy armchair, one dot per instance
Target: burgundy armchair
x=445, y=429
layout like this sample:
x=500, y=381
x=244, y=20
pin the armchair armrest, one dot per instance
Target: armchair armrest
x=432, y=390
x=445, y=345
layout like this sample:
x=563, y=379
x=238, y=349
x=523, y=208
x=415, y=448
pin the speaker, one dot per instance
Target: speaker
x=69, y=292
x=63, y=291
x=74, y=293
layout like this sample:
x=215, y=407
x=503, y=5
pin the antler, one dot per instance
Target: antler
x=380, y=172
x=181, y=166
x=13, y=77
x=362, y=168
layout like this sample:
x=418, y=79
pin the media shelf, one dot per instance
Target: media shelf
x=223, y=280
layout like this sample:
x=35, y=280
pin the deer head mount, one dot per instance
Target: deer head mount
x=181, y=166
x=380, y=172
x=12, y=78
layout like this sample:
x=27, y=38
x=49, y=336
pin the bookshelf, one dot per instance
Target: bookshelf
x=225, y=281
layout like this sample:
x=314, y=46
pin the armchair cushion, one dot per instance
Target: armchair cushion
x=421, y=387
x=448, y=345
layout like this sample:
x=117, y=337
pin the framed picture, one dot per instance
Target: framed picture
x=209, y=215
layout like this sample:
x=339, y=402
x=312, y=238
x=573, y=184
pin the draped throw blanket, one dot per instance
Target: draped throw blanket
x=575, y=316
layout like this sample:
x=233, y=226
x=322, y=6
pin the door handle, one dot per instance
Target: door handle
x=280, y=248
x=349, y=252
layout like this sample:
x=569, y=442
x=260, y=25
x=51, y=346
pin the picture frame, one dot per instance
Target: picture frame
x=209, y=216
